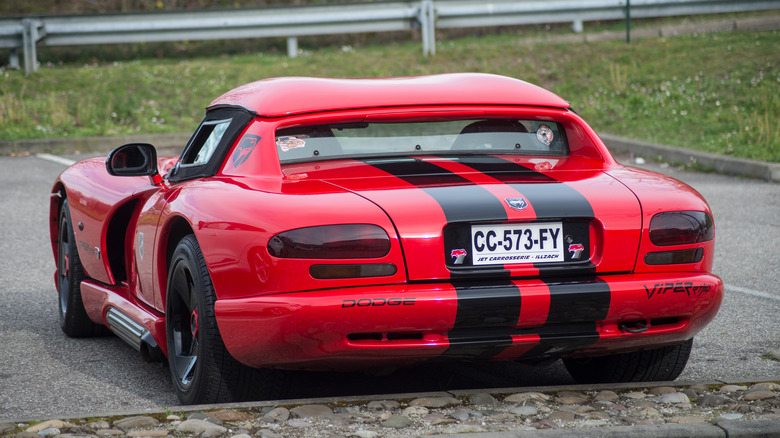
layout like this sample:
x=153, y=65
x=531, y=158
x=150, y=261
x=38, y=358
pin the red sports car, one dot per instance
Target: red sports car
x=359, y=223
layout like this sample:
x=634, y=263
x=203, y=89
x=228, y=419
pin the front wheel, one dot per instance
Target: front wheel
x=660, y=364
x=73, y=317
x=201, y=368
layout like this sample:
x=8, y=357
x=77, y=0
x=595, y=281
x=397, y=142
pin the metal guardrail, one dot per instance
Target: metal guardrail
x=27, y=33
x=469, y=13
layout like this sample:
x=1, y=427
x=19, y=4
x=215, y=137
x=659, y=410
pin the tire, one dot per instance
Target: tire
x=661, y=364
x=202, y=369
x=73, y=317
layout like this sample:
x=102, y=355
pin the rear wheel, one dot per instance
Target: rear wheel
x=661, y=364
x=73, y=317
x=201, y=368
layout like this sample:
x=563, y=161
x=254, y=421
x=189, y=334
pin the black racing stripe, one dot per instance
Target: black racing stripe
x=553, y=199
x=460, y=199
x=418, y=172
x=487, y=306
x=503, y=170
x=580, y=301
x=485, y=316
x=467, y=204
x=482, y=330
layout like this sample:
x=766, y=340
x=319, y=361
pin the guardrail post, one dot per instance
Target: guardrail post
x=292, y=46
x=427, y=18
x=577, y=26
x=29, y=41
x=628, y=21
x=13, y=59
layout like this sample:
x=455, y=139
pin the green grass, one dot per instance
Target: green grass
x=712, y=92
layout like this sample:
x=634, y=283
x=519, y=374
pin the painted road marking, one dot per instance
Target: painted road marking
x=56, y=159
x=755, y=293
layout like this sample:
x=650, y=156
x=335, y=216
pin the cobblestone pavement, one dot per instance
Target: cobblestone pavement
x=624, y=410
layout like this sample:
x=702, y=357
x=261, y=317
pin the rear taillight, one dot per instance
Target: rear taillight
x=326, y=272
x=348, y=241
x=674, y=257
x=681, y=228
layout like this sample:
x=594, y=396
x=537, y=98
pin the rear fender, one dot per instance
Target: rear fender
x=655, y=197
x=233, y=220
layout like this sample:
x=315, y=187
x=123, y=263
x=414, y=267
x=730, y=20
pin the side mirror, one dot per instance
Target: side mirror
x=134, y=159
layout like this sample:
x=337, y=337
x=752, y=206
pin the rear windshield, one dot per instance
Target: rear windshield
x=486, y=136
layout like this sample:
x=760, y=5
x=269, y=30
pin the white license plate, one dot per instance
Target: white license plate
x=517, y=243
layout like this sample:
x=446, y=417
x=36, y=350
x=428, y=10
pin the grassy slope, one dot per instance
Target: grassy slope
x=713, y=92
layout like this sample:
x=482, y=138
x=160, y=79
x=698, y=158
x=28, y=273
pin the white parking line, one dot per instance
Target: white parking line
x=56, y=159
x=755, y=293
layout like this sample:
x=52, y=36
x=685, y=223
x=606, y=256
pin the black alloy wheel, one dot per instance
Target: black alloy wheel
x=202, y=369
x=73, y=317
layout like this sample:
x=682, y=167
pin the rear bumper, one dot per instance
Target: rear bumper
x=390, y=325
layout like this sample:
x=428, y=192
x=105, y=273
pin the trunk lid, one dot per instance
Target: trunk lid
x=496, y=217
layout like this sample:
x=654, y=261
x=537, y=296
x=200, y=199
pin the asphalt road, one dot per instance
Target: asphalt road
x=45, y=374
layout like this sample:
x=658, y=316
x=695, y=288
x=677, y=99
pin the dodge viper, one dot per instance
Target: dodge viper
x=355, y=224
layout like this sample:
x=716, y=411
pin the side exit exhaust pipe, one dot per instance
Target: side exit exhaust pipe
x=134, y=334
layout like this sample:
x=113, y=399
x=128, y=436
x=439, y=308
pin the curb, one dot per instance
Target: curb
x=700, y=160
x=725, y=429
x=407, y=395
x=719, y=428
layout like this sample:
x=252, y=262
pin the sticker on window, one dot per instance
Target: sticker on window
x=288, y=143
x=545, y=135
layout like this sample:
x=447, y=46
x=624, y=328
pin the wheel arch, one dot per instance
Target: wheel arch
x=119, y=239
x=56, y=200
x=174, y=230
